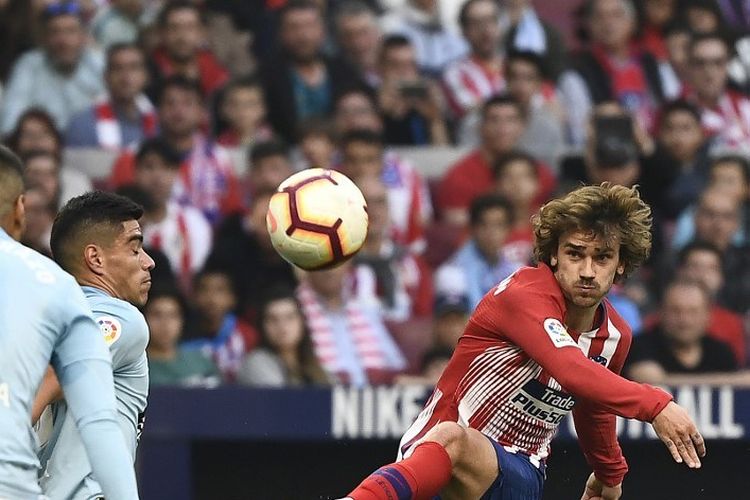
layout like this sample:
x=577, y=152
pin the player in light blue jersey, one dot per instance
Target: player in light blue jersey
x=96, y=237
x=44, y=318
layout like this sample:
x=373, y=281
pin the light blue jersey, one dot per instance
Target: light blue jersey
x=67, y=472
x=44, y=317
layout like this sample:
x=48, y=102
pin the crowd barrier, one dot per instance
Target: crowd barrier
x=241, y=443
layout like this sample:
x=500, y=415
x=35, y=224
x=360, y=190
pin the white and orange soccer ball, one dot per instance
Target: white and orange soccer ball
x=317, y=219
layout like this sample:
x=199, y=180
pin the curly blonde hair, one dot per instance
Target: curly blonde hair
x=609, y=211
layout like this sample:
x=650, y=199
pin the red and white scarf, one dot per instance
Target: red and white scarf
x=108, y=131
x=369, y=350
x=729, y=120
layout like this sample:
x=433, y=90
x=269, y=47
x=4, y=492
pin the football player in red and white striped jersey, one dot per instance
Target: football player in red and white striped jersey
x=544, y=342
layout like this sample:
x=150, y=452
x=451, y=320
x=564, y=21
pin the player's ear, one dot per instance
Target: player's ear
x=94, y=259
x=19, y=218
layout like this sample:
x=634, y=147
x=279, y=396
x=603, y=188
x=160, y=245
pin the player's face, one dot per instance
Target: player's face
x=128, y=266
x=585, y=267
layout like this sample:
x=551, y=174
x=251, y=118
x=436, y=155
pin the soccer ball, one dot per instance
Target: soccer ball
x=317, y=219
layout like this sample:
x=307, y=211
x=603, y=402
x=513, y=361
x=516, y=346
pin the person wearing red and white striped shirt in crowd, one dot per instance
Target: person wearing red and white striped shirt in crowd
x=206, y=179
x=124, y=115
x=725, y=113
x=180, y=231
x=470, y=81
x=543, y=342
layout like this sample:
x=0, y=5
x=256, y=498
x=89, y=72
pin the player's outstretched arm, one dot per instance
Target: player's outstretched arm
x=49, y=392
x=678, y=432
x=596, y=490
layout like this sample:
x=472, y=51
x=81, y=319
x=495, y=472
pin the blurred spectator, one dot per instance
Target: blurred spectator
x=702, y=16
x=215, y=329
x=736, y=14
x=680, y=343
x=317, y=144
x=359, y=37
x=301, y=82
x=207, y=179
x=363, y=153
x=243, y=248
x=182, y=49
x=350, y=340
x=501, y=128
x=355, y=109
x=40, y=214
x=731, y=174
x=655, y=16
x=436, y=45
x=544, y=135
x=285, y=356
x=725, y=112
x=35, y=132
x=168, y=363
x=122, y=117
x=481, y=259
x=611, y=69
x=432, y=365
x=676, y=173
x=180, y=231
x=677, y=37
x=517, y=180
x=717, y=219
x=452, y=307
x=702, y=262
x=119, y=22
x=526, y=32
x=244, y=112
x=269, y=165
x=471, y=80
x=63, y=63
x=388, y=276
x=42, y=172
x=411, y=105
x=17, y=32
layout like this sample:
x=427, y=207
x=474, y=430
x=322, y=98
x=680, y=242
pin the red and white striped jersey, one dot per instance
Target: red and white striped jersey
x=517, y=371
x=468, y=84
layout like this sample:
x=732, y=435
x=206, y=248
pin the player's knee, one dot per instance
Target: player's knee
x=453, y=437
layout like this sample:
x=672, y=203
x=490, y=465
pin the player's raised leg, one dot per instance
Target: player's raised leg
x=450, y=460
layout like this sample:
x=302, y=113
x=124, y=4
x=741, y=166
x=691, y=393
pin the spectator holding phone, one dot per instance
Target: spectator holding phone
x=411, y=105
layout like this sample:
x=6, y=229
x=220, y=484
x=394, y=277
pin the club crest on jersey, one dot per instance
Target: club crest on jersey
x=599, y=359
x=110, y=328
x=558, y=334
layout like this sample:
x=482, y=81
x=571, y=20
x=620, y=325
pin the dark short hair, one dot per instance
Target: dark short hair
x=463, y=13
x=83, y=217
x=394, y=41
x=699, y=38
x=698, y=246
x=242, y=82
x=113, y=49
x=267, y=149
x=175, y=5
x=362, y=135
x=166, y=289
x=486, y=202
x=511, y=157
x=526, y=56
x=682, y=105
x=160, y=147
x=11, y=179
x=293, y=5
x=742, y=161
x=40, y=115
x=500, y=100
x=179, y=82
x=316, y=126
x=212, y=269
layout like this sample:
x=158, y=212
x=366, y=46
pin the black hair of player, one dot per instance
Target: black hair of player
x=11, y=179
x=525, y=56
x=267, y=149
x=85, y=214
x=463, y=13
x=174, y=6
x=680, y=105
x=511, y=157
x=500, y=100
x=118, y=47
x=179, y=82
x=486, y=202
x=742, y=161
x=364, y=136
x=697, y=246
x=161, y=148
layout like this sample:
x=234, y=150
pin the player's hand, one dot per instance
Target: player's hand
x=596, y=490
x=680, y=435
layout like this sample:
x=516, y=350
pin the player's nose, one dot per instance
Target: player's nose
x=148, y=262
x=587, y=268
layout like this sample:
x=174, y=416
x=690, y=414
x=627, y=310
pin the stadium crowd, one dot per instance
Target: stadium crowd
x=647, y=92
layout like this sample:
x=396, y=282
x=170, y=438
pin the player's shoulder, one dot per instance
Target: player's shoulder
x=112, y=312
x=616, y=322
x=32, y=267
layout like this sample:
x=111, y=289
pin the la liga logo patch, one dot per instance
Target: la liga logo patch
x=558, y=334
x=111, y=329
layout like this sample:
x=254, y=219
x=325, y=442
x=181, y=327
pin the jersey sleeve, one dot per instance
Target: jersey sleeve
x=533, y=320
x=597, y=431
